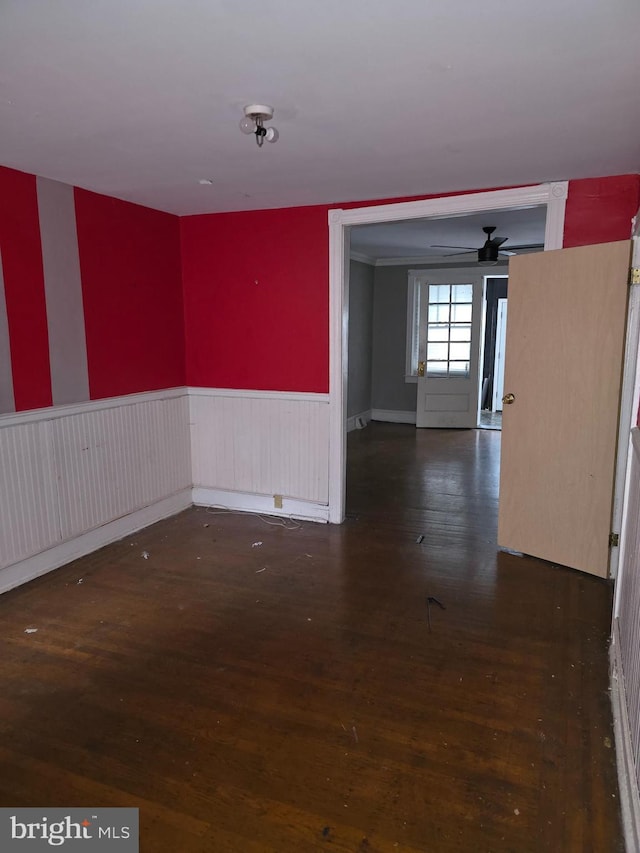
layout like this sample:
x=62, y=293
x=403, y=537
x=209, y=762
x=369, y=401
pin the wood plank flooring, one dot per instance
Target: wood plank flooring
x=289, y=696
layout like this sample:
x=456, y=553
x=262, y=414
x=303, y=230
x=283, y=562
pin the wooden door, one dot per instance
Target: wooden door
x=449, y=349
x=565, y=342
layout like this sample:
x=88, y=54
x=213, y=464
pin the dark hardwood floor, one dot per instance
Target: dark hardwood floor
x=289, y=695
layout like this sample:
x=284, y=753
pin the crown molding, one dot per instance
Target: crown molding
x=433, y=261
x=363, y=259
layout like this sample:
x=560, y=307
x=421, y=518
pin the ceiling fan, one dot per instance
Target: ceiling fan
x=489, y=253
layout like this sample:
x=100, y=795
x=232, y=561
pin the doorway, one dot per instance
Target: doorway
x=493, y=351
x=553, y=196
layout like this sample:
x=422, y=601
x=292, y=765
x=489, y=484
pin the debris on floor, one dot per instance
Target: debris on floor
x=256, y=544
x=432, y=600
x=30, y=630
x=420, y=539
x=80, y=580
x=258, y=571
x=145, y=555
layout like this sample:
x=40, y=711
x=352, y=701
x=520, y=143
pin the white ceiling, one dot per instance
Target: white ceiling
x=373, y=99
x=419, y=238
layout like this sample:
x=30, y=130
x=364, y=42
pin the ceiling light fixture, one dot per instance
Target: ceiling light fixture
x=255, y=116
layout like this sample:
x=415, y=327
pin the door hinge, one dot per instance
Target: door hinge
x=614, y=539
x=634, y=275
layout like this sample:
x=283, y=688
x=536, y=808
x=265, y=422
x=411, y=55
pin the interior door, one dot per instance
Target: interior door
x=449, y=348
x=565, y=341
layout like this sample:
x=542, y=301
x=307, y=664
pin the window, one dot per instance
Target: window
x=448, y=339
x=439, y=318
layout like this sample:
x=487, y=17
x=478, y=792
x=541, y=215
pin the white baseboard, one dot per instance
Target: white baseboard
x=65, y=552
x=358, y=421
x=392, y=416
x=627, y=778
x=263, y=504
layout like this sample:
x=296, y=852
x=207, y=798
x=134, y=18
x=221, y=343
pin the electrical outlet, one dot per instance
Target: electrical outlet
x=277, y=501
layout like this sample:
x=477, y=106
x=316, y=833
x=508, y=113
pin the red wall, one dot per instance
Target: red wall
x=132, y=293
x=274, y=335
x=256, y=299
x=24, y=289
x=599, y=210
x=131, y=290
x=137, y=265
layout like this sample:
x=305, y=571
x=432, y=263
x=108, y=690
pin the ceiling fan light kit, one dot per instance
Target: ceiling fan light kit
x=255, y=116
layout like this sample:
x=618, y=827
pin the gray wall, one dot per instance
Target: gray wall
x=389, y=390
x=360, y=337
x=63, y=292
x=7, y=402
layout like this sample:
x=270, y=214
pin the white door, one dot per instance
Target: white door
x=498, y=369
x=449, y=349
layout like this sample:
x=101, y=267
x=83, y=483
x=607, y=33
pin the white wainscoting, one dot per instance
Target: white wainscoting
x=625, y=654
x=117, y=460
x=74, y=478
x=29, y=517
x=258, y=444
x=70, y=471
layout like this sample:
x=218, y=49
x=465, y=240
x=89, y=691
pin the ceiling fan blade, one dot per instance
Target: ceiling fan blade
x=529, y=246
x=436, y=246
x=455, y=254
x=498, y=241
x=509, y=253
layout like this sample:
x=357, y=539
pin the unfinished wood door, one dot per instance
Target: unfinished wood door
x=565, y=341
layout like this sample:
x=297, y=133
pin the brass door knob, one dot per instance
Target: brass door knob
x=508, y=399
x=421, y=368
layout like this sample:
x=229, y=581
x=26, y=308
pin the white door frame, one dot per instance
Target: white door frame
x=553, y=195
x=630, y=400
x=498, y=356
